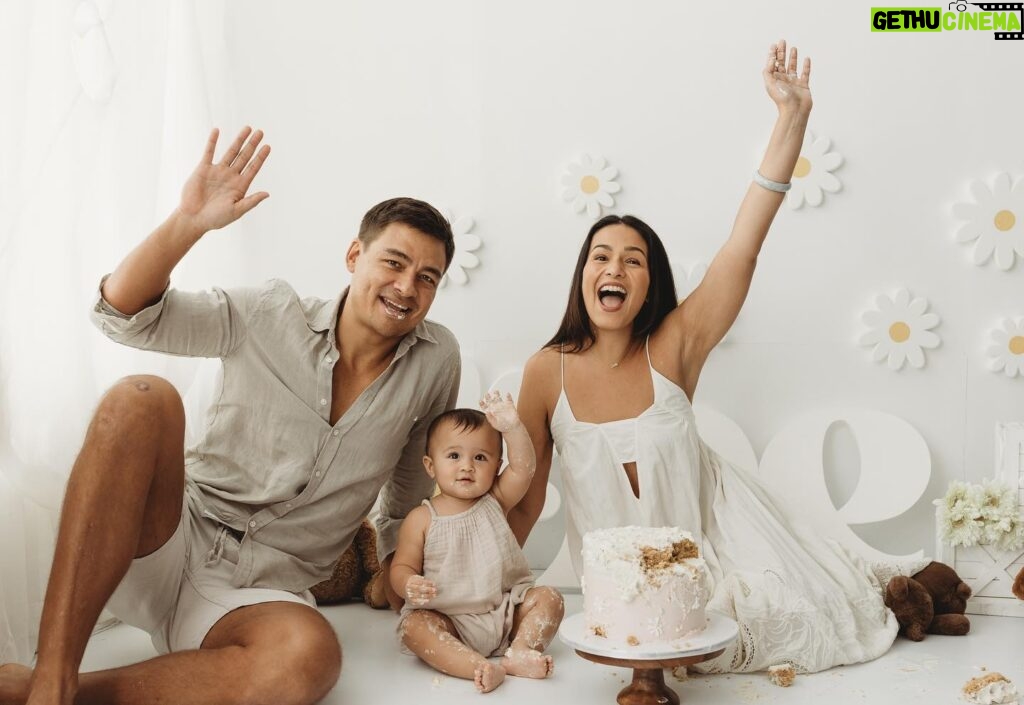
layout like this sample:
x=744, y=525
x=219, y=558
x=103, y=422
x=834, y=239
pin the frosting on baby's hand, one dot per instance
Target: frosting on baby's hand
x=419, y=590
x=501, y=412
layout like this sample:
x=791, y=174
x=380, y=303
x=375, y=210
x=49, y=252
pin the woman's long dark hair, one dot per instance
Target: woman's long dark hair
x=575, y=333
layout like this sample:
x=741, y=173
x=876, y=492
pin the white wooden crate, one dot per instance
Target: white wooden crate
x=989, y=572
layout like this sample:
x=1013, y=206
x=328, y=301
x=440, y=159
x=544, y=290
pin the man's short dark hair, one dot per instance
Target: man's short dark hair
x=463, y=420
x=412, y=212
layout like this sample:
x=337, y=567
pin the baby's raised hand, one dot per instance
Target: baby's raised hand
x=501, y=413
x=419, y=590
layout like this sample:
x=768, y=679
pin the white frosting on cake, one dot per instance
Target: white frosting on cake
x=635, y=591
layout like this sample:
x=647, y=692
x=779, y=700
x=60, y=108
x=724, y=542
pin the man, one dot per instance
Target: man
x=322, y=405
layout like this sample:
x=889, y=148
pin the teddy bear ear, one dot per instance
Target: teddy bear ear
x=963, y=590
x=899, y=588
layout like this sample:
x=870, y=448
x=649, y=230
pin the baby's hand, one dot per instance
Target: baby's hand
x=419, y=590
x=501, y=413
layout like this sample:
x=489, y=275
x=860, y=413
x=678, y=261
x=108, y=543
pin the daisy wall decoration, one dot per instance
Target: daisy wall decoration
x=900, y=330
x=812, y=174
x=995, y=221
x=1006, y=354
x=588, y=184
x=466, y=243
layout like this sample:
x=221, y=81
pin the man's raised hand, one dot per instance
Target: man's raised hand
x=215, y=193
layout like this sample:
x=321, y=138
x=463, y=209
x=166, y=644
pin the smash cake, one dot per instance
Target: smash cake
x=643, y=586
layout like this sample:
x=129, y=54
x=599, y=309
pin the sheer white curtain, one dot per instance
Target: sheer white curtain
x=107, y=105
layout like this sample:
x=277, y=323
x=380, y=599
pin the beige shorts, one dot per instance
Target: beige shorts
x=178, y=592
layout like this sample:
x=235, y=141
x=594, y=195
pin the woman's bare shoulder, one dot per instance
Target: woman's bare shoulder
x=542, y=376
x=543, y=366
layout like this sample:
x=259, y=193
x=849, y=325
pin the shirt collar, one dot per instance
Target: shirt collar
x=326, y=319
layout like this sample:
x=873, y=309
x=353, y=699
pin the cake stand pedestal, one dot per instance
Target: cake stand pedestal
x=648, y=686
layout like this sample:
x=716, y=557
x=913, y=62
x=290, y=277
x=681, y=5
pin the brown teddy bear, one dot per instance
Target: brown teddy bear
x=1018, y=585
x=931, y=601
x=357, y=574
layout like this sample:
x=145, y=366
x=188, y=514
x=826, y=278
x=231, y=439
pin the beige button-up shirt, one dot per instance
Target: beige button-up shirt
x=269, y=464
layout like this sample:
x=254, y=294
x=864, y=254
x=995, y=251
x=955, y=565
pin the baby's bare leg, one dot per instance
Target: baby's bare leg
x=533, y=627
x=431, y=636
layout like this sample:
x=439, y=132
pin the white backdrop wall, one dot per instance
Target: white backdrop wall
x=478, y=107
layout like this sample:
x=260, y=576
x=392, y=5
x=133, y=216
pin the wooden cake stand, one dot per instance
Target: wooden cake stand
x=648, y=686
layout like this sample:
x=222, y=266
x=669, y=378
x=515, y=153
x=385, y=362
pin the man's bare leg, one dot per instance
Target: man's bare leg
x=123, y=500
x=278, y=653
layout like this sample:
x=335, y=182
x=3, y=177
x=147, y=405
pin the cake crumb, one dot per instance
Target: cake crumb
x=655, y=559
x=680, y=674
x=782, y=675
x=598, y=631
x=975, y=684
x=991, y=689
x=632, y=640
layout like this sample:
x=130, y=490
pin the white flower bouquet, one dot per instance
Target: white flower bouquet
x=988, y=513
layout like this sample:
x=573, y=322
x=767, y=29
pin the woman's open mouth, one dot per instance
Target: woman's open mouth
x=611, y=297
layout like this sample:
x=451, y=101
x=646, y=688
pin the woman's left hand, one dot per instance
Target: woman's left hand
x=789, y=90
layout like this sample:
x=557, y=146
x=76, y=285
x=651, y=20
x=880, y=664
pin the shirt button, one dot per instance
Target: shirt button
x=323, y=402
x=335, y=432
x=317, y=474
x=287, y=505
x=252, y=524
x=328, y=361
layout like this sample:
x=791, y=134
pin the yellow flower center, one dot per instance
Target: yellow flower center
x=1017, y=345
x=802, y=168
x=899, y=332
x=1005, y=220
x=589, y=184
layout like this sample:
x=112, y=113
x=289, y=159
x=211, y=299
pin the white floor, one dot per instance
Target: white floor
x=930, y=672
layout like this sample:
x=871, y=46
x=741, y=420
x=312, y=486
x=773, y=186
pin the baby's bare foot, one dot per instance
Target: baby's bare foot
x=528, y=663
x=14, y=680
x=488, y=676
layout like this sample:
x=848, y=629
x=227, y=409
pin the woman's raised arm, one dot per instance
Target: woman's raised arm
x=706, y=315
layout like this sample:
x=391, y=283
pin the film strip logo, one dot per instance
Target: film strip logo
x=961, y=6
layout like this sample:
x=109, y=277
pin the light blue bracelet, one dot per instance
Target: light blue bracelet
x=776, y=186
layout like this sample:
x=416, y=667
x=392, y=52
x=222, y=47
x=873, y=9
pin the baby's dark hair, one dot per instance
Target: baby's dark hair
x=463, y=420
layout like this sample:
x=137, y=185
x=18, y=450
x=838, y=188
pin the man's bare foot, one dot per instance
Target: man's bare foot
x=527, y=663
x=14, y=680
x=488, y=676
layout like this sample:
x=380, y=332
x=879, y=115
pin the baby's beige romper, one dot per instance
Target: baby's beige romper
x=480, y=572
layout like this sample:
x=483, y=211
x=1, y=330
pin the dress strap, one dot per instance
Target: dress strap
x=430, y=506
x=647, y=349
x=561, y=361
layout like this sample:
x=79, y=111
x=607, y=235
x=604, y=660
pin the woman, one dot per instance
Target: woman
x=611, y=391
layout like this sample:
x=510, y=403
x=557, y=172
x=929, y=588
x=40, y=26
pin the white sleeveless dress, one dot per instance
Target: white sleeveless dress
x=798, y=598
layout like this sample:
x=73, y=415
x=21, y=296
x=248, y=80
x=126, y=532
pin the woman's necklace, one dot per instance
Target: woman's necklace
x=614, y=365
x=619, y=361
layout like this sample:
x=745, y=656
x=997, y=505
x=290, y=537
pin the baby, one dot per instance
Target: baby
x=468, y=589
